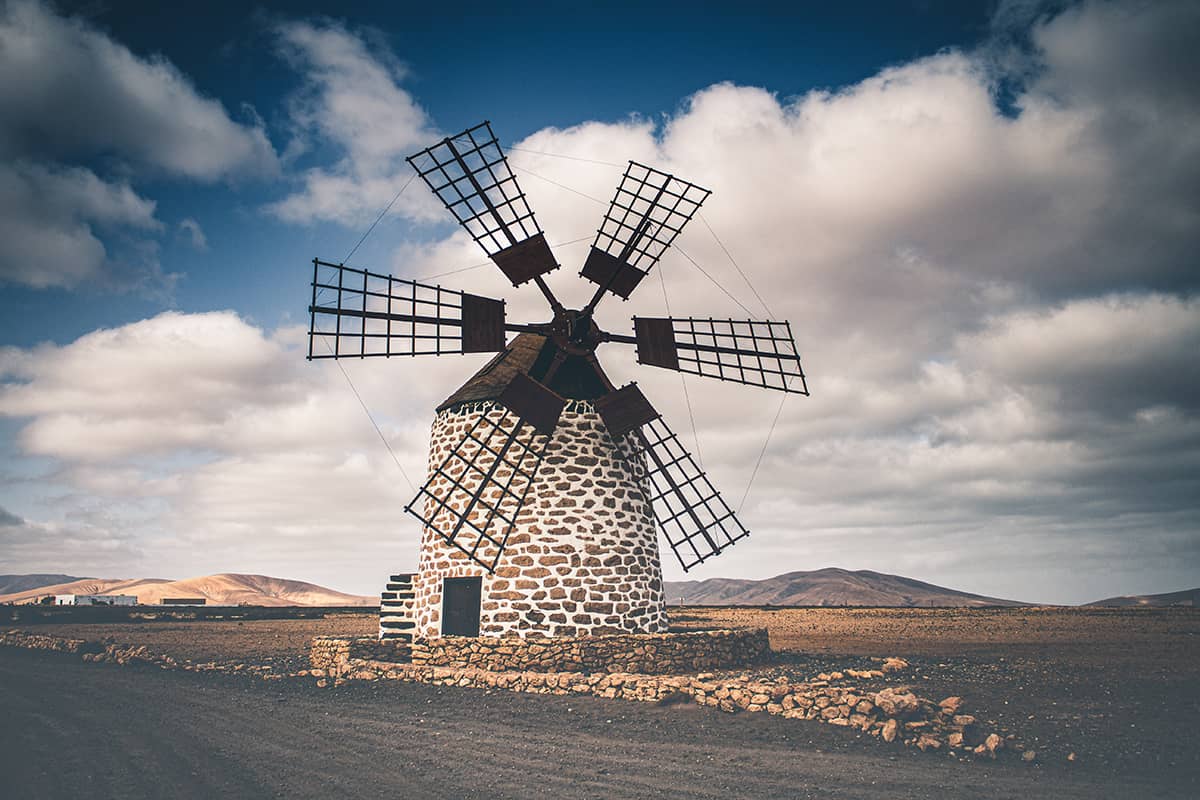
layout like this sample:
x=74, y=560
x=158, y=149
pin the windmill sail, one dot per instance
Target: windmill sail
x=473, y=497
x=470, y=175
x=361, y=314
x=647, y=212
x=694, y=518
x=752, y=352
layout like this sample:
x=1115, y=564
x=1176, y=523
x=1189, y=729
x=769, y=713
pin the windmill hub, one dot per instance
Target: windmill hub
x=575, y=332
x=546, y=481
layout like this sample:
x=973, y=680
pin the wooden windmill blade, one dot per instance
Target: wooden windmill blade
x=472, y=499
x=648, y=211
x=694, y=518
x=751, y=352
x=471, y=176
x=360, y=314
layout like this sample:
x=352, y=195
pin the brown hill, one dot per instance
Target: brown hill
x=1188, y=597
x=225, y=589
x=11, y=584
x=824, y=587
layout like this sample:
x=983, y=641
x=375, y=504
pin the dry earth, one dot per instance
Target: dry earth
x=1119, y=688
x=70, y=730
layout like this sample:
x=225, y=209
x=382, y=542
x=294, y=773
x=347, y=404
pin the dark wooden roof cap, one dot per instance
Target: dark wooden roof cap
x=490, y=382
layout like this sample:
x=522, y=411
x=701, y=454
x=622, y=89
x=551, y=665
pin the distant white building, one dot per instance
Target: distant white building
x=95, y=600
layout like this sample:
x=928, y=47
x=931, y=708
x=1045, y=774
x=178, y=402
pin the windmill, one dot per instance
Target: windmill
x=547, y=483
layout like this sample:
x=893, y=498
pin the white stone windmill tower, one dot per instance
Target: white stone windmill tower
x=547, y=483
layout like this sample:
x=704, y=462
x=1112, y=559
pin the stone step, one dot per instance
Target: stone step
x=393, y=624
x=396, y=613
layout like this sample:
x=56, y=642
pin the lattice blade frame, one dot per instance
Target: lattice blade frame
x=356, y=313
x=648, y=211
x=750, y=352
x=471, y=176
x=472, y=499
x=694, y=518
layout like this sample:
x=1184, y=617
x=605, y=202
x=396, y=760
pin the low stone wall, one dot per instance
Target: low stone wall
x=331, y=652
x=108, y=652
x=647, y=654
x=37, y=641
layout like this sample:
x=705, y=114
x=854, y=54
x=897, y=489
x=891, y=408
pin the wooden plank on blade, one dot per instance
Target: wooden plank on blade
x=624, y=410
x=482, y=324
x=533, y=403
x=656, y=342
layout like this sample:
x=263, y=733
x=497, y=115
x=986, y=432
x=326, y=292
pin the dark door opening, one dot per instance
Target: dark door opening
x=460, y=606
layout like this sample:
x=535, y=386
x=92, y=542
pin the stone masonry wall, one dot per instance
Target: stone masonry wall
x=648, y=654
x=583, y=557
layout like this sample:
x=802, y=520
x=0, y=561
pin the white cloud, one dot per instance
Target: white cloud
x=351, y=100
x=84, y=542
x=50, y=221
x=194, y=233
x=107, y=100
x=212, y=443
x=996, y=310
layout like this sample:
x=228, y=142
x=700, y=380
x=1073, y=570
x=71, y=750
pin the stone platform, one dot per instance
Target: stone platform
x=647, y=654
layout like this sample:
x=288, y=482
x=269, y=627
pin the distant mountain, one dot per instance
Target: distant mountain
x=226, y=589
x=824, y=587
x=1188, y=597
x=19, y=583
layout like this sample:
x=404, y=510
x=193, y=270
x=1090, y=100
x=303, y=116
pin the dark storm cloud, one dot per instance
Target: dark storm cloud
x=70, y=96
x=107, y=100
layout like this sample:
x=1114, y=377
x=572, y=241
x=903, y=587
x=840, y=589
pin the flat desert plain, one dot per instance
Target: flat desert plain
x=1106, y=699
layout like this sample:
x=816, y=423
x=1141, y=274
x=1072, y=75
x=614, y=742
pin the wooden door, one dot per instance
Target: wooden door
x=460, y=606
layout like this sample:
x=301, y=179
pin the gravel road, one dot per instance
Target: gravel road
x=69, y=729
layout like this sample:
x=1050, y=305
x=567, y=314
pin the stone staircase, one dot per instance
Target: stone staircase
x=395, y=612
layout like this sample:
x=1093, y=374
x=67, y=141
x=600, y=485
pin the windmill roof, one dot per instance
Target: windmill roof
x=489, y=382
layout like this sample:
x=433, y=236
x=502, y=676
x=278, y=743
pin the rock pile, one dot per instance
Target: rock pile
x=36, y=641
x=125, y=655
x=893, y=713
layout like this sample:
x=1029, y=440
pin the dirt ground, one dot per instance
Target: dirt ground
x=70, y=729
x=280, y=643
x=1118, y=688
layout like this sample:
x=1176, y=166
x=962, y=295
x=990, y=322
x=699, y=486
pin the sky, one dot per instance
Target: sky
x=981, y=221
